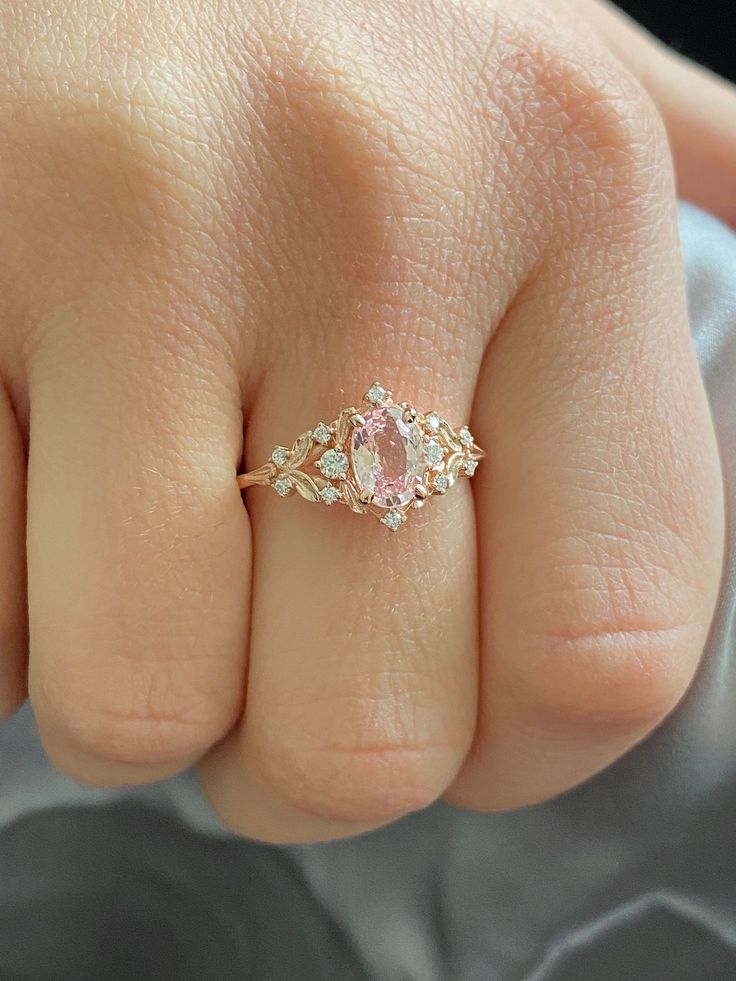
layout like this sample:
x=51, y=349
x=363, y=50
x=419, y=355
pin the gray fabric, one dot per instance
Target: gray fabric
x=631, y=877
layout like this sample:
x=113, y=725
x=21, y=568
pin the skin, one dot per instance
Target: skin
x=220, y=224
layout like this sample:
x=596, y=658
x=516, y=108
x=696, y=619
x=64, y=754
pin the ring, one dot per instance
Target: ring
x=381, y=457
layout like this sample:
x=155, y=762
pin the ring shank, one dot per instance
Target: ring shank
x=253, y=479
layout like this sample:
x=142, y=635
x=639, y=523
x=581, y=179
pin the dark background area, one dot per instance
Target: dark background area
x=704, y=30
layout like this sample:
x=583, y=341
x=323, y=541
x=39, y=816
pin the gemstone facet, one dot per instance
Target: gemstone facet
x=433, y=421
x=388, y=456
x=280, y=456
x=282, y=486
x=441, y=483
x=470, y=466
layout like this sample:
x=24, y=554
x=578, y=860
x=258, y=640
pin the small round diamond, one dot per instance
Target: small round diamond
x=433, y=422
x=470, y=466
x=433, y=452
x=393, y=519
x=280, y=456
x=333, y=463
x=466, y=437
x=441, y=483
x=377, y=394
x=282, y=486
x=322, y=433
x=330, y=494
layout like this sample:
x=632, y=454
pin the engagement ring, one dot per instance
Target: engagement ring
x=381, y=457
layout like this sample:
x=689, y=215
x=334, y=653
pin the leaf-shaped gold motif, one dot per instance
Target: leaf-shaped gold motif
x=300, y=450
x=305, y=485
x=262, y=475
x=351, y=498
x=453, y=465
x=343, y=426
x=452, y=441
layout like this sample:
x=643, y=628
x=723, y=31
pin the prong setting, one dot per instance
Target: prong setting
x=322, y=434
x=282, y=486
x=378, y=395
x=393, y=519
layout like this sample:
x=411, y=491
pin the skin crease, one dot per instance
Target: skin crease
x=221, y=223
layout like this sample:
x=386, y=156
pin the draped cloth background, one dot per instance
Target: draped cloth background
x=631, y=877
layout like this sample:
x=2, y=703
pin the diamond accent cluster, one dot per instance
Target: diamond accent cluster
x=381, y=457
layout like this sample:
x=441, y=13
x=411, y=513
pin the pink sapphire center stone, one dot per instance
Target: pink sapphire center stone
x=388, y=456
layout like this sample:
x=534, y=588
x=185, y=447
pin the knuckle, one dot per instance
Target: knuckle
x=347, y=188
x=150, y=725
x=380, y=782
x=582, y=122
x=355, y=769
x=605, y=680
x=614, y=620
x=111, y=156
x=605, y=109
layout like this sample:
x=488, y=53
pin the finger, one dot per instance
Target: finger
x=138, y=547
x=362, y=680
x=601, y=523
x=13, y=621
x=363, y=656
x=698, y=107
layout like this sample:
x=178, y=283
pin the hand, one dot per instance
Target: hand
x=220, y=223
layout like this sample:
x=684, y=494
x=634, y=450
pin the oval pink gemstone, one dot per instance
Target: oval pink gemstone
x=388, y=456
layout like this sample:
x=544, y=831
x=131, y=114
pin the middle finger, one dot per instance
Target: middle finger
x=362, y=681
